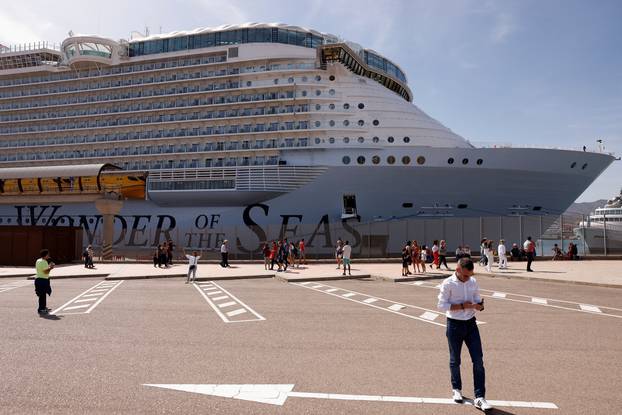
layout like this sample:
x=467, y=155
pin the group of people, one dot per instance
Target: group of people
x=572, y=253
x=163, y=254
x=418, y=255
x=283, y=253
x=87, y=257
x=343, y=256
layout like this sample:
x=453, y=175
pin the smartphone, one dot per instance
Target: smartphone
x=482, y=304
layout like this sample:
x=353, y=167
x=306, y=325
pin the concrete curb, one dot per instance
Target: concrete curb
x=17, y=276
x=409, y=279
x=571, y=282
x=66, y=277
x=284, y=278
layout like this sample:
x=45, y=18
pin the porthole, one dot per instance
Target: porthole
x=420, y=160
x=465, y=161
x=450, y=160
x=346, y=123
x=331, y=140
x=249, y=83
x=318, y=107
x=317, y=140
x=346, y=160
x=276, y=81
x=573, y=165
x=346, y=106
x=375, y=139
x=479, y=162
x=407, y=139
x=304, y=93
x=405, y=160
x=361, y=123
x=361, y=140
x=318, y=92
x=391, y=160
x=390, y=139
x=331, y=106
x=375, y=159
x=290, y=80
x=361, y=106
x=584, y=166
x=331, y=92
x=317, y=123
x=346, y=140
x=305, y=79
x=360, y=160
x=318, y=78
x=331, y=123
x=376, y=122
x=331, y=78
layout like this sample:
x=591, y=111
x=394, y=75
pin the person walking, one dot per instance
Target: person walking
x=405, y=260
x=490, y=254
x=265, y=250
x=435, y=255
x=482, y=256
x=193, y=263
x=90, y=254
x=339, y=252
x=347, y=257
x=43, y=288
x=530, y=250
x=460, y=298
x=274, y=253
x=301, y=248
x=502, y=252
x=224, y=254
x=442, y=255
x=415, y=253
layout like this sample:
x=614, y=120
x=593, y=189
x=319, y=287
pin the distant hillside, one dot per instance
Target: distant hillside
x=585, y=208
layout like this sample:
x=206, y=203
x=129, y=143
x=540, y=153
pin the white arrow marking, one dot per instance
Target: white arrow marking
x=278, y=394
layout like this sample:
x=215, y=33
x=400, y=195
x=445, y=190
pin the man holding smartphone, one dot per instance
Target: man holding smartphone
x=459, y=298
x=42, y=280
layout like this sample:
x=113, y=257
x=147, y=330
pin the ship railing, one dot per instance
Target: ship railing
x=30, y=47
x=488, y=144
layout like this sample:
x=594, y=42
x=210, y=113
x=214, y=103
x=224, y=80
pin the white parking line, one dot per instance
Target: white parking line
x=396, y=307
x=537, y=300
x=367, y=301
x=222, y=297
x=591, y=308
x=428, y=315
x=347, y=295
x=216, y=307
x=88, y=297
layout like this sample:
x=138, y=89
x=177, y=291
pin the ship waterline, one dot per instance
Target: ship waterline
x=259, y=131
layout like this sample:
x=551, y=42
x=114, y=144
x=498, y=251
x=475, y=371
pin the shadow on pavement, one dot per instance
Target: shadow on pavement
x=50, y=316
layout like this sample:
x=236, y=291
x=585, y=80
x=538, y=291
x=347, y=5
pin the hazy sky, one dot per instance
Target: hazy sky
x=534, y=73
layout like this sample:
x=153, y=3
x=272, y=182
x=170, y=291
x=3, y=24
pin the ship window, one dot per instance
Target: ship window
x=407, y=139
x=346, y=140
x=390, y=139
x=304, y=93
x=375, y=159
x=346, y=123
x=450, y=160
x=479, y=162
x=375, y=139
x=331, y=123
x=331, y=92
x=346, y=106
x=465, y=161
x=249, y=83
x=361, y=123
x=290, y=80
x=361, y=140
x=346, y=160
x=331, y=106
x=360, y=160
x=276, y=81
x=332, y=77
x=376, y=122
x=407, y=205
x=574, y=163
x=318, y=78
x=391, y=160
x=405, y=160
x=317, y=140
x=584, y=166
x=420, y=160
x=317, y=123
x=318, y=107
x=331, y=140
x=318, y=92
x=361, y=106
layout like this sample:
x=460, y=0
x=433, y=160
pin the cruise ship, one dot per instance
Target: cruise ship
x=254, y=132
x=602, y=231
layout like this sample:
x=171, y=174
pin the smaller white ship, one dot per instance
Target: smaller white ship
x=602, y=231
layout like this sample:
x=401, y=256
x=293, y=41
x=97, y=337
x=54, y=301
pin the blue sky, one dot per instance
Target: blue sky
x=533, y=73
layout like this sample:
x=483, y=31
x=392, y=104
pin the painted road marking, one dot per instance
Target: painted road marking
x=347, y=295
x=428, y=315
x=592, y=308
x=332, y=290
x=93, y=300
x=541, y=301
x=13, y=285
x=242, y=308
x=278, y=394
x=378, y=303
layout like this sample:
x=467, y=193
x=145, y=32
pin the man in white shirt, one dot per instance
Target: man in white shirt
x=347, y=254
x=193, y=263
x=503, y=259
x=459, y=298
x=530, y=250
x=224, y=254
